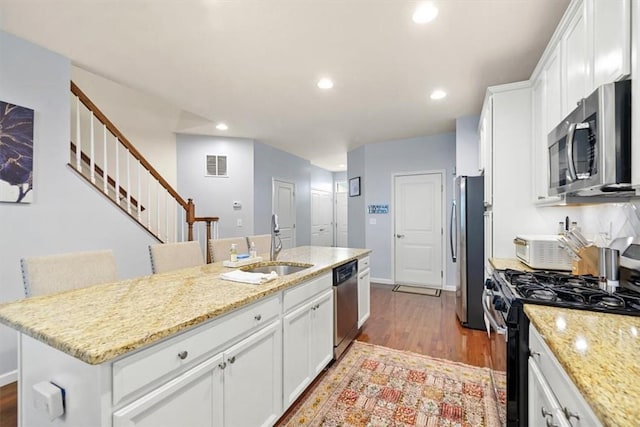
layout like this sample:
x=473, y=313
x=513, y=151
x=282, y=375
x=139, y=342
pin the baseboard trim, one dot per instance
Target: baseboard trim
x=382, y=281
x=8, y=377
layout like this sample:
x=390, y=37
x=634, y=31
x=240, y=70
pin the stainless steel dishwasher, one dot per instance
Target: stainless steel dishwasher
x=345, y=300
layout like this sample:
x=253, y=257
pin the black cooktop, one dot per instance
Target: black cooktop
x=566, y=290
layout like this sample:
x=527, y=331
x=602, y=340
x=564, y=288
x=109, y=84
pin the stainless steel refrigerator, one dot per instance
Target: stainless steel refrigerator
x=466, y=235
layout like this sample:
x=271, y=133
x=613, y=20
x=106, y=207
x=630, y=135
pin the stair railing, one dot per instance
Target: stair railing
x=102, y=155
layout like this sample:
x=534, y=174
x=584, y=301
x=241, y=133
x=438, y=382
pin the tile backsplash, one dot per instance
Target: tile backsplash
x=603, y=223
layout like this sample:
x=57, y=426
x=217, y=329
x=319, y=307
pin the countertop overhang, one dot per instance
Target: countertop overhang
x=99, y=323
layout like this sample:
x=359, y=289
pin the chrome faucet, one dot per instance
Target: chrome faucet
x=276, y=246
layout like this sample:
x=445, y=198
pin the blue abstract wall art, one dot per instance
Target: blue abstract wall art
x=16, y=153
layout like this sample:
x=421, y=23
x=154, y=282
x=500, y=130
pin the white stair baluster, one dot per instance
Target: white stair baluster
x=128, y=189
x=92, y=156
x=149, y=200
x=117, y=179
x=138, y=196
x=105, y=169
x=78, y=137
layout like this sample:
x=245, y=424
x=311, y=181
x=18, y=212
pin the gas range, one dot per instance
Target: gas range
x=503, y=301
x=565, y=290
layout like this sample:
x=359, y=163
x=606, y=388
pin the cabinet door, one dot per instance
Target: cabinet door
x=553, y=100
x=321, y=343
x=364, y=293
x=539, y=146
x=296, y=329
x=577, y=59
x=192, y=399
x=253, y=379
x=611, y=40
x=488, y=242
x=543, y=406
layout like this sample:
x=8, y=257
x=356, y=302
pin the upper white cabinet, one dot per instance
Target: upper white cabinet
x=590, y=47
x=576, y=59
x=485, y=137
x=611, y=40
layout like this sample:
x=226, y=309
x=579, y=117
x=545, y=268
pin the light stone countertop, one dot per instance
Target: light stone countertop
x=99, y=323
x=600, y=353
x=509, y=263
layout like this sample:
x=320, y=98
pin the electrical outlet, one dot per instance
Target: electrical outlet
x=239, y=222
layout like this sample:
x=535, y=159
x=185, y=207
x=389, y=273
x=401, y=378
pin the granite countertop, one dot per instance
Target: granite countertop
x=99, y=323
x=509, y=263
x=599, y=352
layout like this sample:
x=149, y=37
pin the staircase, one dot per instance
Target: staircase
x=104, y=157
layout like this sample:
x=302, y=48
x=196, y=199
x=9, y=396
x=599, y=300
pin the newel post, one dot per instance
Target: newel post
x=191, y=218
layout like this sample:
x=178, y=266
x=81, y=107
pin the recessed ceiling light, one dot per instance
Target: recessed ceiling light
x=438, y=94
x=325, y=83
x=222, y=126
x=342, y=165
x=424, y=13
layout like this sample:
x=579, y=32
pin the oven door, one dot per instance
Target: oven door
x=498, y=337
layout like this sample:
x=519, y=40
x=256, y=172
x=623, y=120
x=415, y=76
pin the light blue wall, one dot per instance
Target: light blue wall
x=67, y=214
x=214, y=196
x=272, y=163
x=339, y=176
x=467, y=146
x=321, y=179
x=356, y=167
x=376, y=164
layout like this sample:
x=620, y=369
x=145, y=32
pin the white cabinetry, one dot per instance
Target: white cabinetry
x=590, y=47
x=307, y=335
x=193, y=399
x=364, y=290
x=505, y=132
x=553, y=398
x=253, y=379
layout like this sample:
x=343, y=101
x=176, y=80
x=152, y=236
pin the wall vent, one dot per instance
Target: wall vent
x=216, y=165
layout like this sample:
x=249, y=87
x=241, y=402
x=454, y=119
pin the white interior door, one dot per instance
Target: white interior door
x=321, y=218
x=284, y=205
x=418, y=229
x=341, y=214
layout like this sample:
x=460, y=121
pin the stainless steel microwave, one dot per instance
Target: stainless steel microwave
x=590, y=150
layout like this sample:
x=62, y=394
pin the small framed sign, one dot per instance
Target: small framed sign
x=354, y=187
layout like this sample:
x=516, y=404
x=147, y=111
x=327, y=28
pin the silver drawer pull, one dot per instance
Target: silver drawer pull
x=183, y=354
x=232, y=359
x=546, y=413
x=550, y=422
x=258, y=317
x=534, y=353
x=569, y=414
x=222, y=365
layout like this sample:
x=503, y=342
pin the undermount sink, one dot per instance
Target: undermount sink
x=280, y=268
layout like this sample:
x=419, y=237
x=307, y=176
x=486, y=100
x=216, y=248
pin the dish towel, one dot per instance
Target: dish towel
x=246, y=277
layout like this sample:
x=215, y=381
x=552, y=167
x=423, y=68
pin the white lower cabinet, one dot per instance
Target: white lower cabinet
x=253, y=379
x=218, y=391
x=364, y=294
x=193, y=399
x=554, y=400
x=307, y=340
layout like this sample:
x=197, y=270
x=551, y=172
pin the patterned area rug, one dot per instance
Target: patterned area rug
x=378, y=386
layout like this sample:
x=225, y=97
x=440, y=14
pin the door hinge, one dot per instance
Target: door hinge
x=441, y=274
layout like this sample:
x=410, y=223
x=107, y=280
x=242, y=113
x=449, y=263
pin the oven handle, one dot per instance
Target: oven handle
x=501, y=330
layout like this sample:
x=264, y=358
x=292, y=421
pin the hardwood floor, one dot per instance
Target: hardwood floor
x=9, y=405
x=423, y=324
x=417, y=323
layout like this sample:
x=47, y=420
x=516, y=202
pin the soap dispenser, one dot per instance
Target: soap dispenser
x=252, y=250
x=233, y=253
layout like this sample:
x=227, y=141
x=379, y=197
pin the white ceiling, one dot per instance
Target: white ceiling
x=254, y=64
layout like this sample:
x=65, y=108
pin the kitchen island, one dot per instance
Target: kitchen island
x=598, y=352
x=164, y=345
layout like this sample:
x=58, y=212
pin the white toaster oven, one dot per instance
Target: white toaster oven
x=542, y=252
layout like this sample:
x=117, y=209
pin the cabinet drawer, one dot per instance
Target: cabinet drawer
x=165, y=360
x=569, y=397
x=294, y=296
x=363, y=263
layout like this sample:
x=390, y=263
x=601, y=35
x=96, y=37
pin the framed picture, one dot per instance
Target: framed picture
x=354, y=187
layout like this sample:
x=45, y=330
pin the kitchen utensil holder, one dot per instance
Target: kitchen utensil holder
x=587, y=262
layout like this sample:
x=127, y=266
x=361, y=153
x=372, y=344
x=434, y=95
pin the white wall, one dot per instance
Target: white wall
x=66, y=215
x=214, y=196
x=376, y=164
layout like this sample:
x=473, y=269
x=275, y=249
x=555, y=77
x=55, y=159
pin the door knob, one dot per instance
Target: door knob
x=399, y=236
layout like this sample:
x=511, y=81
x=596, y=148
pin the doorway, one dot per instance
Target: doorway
x=284, y=205
x=341, y=214
x=418, y=229
x=321, y=218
